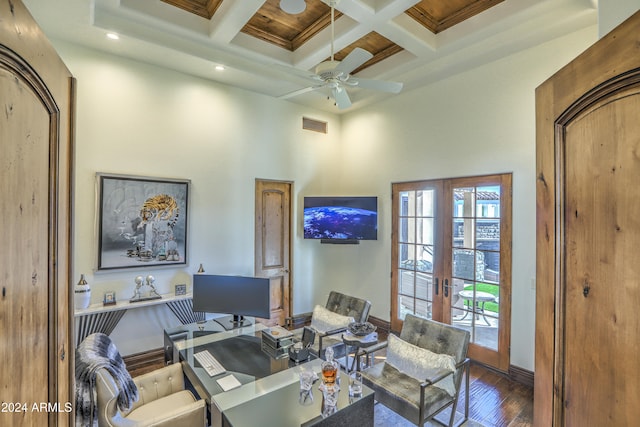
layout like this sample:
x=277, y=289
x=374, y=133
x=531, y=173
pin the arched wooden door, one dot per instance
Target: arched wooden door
x=588, y=234
x=36, y=352
x=273, y=243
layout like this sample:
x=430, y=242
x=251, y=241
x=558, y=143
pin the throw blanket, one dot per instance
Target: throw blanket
x=95, y=352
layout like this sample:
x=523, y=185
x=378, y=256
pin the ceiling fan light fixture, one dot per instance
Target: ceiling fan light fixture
x=293, y=7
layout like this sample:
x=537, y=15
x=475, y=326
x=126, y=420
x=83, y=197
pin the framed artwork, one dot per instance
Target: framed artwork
x=109, y=298
x=142, y=221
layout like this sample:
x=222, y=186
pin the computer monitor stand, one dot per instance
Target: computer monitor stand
x=233, y=322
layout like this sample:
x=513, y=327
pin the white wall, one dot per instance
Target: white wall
x=138, y=119
x=612, y=13
x=135, y=118
x=476, y=123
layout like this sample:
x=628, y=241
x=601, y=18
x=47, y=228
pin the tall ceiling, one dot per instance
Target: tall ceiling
x=267, y=50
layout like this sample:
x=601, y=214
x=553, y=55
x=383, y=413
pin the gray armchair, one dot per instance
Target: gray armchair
x=421, y=398
x=342, y=305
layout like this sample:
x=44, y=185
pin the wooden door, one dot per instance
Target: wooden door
x=451, y=259
x=588, y=234
x=36, y=91
x=272, y=243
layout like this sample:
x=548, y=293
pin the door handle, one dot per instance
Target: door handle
x=445, y=288
x=436, y=286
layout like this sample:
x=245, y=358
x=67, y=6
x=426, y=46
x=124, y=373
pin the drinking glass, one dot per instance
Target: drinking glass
x=306, y=383
x=355, y=384
x=330, y=400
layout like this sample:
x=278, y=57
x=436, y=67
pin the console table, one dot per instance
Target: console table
x=104, y=318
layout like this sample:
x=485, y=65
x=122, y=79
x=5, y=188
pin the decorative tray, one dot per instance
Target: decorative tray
x=361, y=328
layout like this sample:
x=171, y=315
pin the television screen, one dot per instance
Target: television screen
x=341, y=218
x=235, y=295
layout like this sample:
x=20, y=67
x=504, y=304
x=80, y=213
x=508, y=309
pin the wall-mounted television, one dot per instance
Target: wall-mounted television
x=341, y=219
x=237, y=296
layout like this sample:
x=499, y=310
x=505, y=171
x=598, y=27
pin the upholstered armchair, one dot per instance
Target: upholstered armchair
x=163, y=401
x=423, y=370
x=106, y=393
x=330, y=321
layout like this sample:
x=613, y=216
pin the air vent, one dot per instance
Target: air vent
x=314, y=125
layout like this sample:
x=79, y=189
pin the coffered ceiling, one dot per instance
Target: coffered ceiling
x=266, y=50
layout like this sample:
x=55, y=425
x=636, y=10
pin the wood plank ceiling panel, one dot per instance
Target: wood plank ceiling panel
x=438, y=15
x=203, y=8
x=290, y=32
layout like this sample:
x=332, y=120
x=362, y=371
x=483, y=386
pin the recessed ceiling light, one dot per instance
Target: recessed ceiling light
x=219, y=67
x=113, y=36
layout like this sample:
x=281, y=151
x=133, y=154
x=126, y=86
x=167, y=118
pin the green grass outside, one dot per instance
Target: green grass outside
x=490, y=289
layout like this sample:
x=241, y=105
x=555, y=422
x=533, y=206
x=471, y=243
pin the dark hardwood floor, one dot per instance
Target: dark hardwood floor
x=497, y=401
x=494, y=401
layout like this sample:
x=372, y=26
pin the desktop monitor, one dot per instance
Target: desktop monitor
x=237, y=296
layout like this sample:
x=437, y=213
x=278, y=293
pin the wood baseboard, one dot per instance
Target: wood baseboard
x=146, y=361
x=382, y=326
x=521, y=376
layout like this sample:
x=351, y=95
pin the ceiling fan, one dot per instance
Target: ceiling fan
x=335, y=75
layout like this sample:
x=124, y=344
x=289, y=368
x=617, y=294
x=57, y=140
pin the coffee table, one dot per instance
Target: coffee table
x=269, y=388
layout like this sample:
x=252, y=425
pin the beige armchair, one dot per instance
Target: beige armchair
x=163, y=401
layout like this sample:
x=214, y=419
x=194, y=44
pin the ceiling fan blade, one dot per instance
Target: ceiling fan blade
x=341, y=97
x=300, y=92
x=381, y=85
x=356, y=58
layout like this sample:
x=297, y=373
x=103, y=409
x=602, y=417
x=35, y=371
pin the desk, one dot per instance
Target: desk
x=481, y=298
x=269, y=390
x=104, y=318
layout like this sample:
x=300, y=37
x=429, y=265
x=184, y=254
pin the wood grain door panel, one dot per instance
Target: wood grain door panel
x=601, y=292
x=588, y=232
x=272, y=243
x=37, y=93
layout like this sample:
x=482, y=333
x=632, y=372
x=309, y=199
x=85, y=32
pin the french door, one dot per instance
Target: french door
x=451, y=259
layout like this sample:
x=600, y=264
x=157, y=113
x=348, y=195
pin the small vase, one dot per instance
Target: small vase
x=82, y=294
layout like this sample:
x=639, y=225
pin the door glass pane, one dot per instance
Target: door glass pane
x=424, y=203
x=463, y=264
x=488, y=202
x=404, y=203
x=488, y=230
x=407, y=230
x=423, y=309
x=405, y=305
x=491, y=272
x=423, y=285
x=476, y=263
x=407, y=256
x=464, y=202
x=406, y=283
x=424, y=231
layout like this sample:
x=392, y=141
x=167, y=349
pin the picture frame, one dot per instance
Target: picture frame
x=141, y=221
x=109, y=298
x=181, y=289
